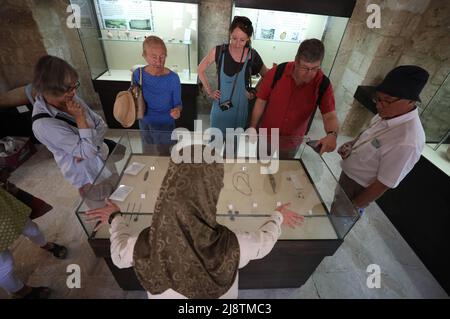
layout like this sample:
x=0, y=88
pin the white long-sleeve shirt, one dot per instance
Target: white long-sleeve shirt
x=252, y=245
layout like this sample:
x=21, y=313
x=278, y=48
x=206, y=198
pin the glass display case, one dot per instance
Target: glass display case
x=278, y=34
x=112, y=33
x=298, y=175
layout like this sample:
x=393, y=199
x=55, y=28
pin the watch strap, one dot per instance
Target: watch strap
x=111, y=217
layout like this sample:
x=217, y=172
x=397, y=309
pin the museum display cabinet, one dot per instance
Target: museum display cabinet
x=280, y=27
x=298, y=176
x=112, y=33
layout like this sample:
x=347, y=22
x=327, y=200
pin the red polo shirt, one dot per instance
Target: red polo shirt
x=289, y=106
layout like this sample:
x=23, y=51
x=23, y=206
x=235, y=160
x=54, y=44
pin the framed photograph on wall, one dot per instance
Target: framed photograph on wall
x=280, y=26
x=126, y=14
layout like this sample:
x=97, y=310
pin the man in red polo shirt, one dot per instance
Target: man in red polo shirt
x=291, y=102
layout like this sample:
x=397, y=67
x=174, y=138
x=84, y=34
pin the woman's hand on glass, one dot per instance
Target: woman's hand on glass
x=290, y=218
x=101, y=215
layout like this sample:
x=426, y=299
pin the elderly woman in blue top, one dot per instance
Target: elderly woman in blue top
x=162, y=93
x=66, y=125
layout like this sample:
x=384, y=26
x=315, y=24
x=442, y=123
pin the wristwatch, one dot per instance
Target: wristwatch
x=111, y=217
x=332, y=132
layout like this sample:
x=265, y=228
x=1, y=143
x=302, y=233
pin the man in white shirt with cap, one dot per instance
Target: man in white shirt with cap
x=383, y=154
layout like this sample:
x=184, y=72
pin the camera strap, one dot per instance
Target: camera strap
x=236, y=74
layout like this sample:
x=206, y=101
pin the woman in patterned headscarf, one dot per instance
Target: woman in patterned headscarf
x=185, y=252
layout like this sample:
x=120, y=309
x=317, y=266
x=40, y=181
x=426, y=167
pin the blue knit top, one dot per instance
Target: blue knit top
x=161, y=94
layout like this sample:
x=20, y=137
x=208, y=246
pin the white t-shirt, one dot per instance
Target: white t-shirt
x=388, y=157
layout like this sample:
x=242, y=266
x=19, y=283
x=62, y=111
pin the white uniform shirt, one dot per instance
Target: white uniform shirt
x=252, y=245
x=390, y=156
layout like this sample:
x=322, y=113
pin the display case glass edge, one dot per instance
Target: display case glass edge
x=130, y=140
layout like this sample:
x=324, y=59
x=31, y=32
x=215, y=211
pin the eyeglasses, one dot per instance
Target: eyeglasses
x=305, y=69
x=73, y=87
x=376, y=99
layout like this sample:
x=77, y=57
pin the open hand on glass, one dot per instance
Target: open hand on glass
x=290, y=218
x=102, y=214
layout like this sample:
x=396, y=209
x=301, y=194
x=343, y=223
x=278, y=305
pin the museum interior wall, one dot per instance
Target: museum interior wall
x=33, y=29
x=413, y=32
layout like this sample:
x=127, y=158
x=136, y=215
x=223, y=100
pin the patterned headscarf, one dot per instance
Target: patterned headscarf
x=185, y=248
x=13, y=217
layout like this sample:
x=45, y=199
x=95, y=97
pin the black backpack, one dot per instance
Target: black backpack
x=322, y=88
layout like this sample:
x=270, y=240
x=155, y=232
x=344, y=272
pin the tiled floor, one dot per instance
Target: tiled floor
x=373, y=240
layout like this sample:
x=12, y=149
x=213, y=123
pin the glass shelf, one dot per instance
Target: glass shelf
x=141, y=39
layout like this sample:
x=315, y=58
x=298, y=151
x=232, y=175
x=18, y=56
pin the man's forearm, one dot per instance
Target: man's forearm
x=370, y=194
x=258, y=110
x=330, y=122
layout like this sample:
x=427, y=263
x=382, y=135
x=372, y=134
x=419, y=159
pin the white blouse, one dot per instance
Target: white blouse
x=253, y=245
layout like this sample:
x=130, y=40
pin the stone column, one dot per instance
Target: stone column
x=64, y=42
x=213, y=23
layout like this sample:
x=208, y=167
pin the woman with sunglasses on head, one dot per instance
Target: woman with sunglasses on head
x=236, y=62
x=66, y=125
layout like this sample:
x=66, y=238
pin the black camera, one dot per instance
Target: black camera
x=226, y=105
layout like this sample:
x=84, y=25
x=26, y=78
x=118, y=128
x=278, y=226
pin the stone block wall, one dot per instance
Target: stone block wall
x=412, y=32
x=32, y=29
x=21, y=44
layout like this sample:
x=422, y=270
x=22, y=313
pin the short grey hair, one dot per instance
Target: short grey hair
x=311, y=50
x=53, y=75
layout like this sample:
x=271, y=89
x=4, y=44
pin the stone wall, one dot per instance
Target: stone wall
x=64, y=42
x=436, y=117
x=412, y=32
x=213, y=23
x=21, y=44
x=32, y=29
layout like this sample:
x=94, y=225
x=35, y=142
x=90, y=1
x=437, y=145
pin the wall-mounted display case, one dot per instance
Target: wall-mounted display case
x=112, y=34
x=246, y=200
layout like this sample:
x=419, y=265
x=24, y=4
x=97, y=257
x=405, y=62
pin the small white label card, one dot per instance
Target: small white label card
x=134, y=168
x=121, y=193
